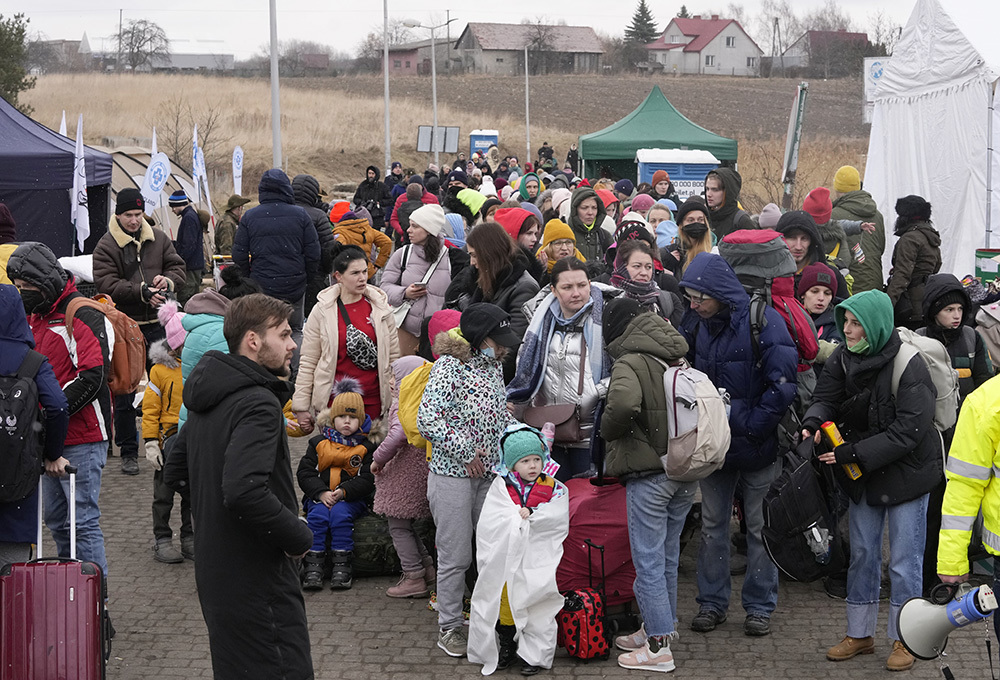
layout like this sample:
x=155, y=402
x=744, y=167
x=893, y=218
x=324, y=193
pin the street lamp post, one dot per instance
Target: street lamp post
x=434, y=96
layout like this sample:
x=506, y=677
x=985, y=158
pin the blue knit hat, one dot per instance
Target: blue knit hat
x=178, y=198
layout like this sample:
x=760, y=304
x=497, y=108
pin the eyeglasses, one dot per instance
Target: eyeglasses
x=564, y=242
x=697, y=299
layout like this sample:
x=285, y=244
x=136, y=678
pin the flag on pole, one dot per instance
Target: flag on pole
x=238, y=170
x=195, y=175
x=81, y=214
x=152, y=150
x=62, y=125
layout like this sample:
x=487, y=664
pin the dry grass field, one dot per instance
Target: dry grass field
x=332, y=128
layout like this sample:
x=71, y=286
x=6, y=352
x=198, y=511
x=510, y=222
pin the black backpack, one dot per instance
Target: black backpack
x=800, y=524
x=20, y=430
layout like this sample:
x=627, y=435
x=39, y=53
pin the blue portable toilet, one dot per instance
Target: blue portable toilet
x=687, y=168
x=482, y=140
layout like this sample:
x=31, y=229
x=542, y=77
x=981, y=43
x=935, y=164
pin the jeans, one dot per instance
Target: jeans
x=455, y=505
x=907, y=525
x=760, y=586
x=125, y=413
x=657, y=508
x=89, y=460
x=336, y=523
x=163, y=505
x=296, y=321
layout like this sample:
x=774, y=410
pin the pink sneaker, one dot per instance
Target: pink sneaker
x=630, y=643
x=645, y=659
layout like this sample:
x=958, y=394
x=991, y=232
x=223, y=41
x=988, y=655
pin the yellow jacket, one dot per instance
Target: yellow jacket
x=161, y=403
x=973, y=470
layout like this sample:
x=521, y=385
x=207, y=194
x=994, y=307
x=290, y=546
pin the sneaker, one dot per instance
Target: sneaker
x=706, y=620
x=453, y=642
x=835, y=587
x=130, y=466
x=900, y=659
x=164, y=551
x=850, y=647
x=757, y=625
x=187, y=548
x=650, y=657
x=410, y=585
x=528, y=670
x=630, y=643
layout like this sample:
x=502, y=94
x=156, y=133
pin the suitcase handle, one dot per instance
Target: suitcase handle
x=71, y=471
x=590, y=565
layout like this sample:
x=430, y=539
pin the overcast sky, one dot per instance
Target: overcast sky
x=241, y=27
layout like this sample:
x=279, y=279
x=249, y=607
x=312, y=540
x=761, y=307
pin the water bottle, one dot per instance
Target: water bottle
x=549, y=433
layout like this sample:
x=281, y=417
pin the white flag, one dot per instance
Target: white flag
x=152, y=148
x=238, y=170
x=194, y=166
x=62, y=125
x=156, y=178
x=81, y=214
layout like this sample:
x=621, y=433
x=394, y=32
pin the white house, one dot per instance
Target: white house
x=710, y=46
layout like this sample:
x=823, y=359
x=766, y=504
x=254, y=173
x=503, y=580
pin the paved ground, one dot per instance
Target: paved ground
x=361, y=634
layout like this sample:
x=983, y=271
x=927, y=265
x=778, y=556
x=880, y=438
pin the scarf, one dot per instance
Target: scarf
x=646, y=293
x=534, y=353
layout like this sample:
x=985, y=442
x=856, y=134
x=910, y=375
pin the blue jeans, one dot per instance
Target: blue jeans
x=657, y=508
x=907, y=528
x=760, y=586
x=89, y=460
x=336, y=523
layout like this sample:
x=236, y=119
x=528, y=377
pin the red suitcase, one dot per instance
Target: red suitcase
x=53, y=624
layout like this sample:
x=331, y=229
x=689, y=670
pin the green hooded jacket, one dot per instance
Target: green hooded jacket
x=635, y=418
x=859, y=205
x=873, y=310
x=591, y=240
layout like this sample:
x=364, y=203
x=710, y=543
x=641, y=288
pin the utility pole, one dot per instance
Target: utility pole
x=385, y=82
x=447, y=16
x=434, y=97
x=527, y=110
x=118, y=66
x=275, y=91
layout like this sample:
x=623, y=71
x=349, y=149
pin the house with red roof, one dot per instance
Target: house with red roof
x=706, y=46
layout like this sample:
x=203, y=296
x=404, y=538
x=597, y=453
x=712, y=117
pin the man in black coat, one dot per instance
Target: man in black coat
x=232, y=453
x=374, y=196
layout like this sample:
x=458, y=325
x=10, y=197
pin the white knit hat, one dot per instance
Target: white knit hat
x=430, y=218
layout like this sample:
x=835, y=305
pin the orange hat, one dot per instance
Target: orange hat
x=818, y=205
x=338, y=210
x=659, y=176
x=607, y=197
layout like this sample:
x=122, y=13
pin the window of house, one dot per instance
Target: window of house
x=751, y=62
x=499, y=60
x=731, y=41
x=397, y=63
x=675, y=39
x=407, y=64
x=709, y=60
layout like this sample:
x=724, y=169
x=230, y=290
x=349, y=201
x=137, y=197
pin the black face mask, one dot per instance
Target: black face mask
x=33, y=301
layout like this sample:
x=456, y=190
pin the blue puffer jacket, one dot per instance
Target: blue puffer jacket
x=721, y=347
x=203, y=323
x=276, y=243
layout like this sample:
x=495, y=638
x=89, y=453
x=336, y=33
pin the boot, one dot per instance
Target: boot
x=430, y=572
x=312, y=570
x=343, y=572
x=187, y=547
x=164, y=551
x=411, y=584
x=508, y=646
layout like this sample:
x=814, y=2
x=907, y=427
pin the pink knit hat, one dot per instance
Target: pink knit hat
x=170, y=318
x=642, y=203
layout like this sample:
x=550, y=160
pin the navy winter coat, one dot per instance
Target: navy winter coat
x=189, y=244
x=276, y=243
x=19, y=519
x=722, y=348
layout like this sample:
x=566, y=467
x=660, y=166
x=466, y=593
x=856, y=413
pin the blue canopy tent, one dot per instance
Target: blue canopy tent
x=36, y=176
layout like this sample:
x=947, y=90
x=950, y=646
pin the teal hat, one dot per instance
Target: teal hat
x=521, y=441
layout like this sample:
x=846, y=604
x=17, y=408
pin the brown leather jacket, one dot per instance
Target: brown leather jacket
x=122, y=263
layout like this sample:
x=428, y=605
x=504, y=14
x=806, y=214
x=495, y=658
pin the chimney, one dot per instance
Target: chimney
x=715, y=17
x=696, y=16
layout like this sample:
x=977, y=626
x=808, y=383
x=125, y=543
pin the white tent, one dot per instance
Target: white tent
x=933, y=118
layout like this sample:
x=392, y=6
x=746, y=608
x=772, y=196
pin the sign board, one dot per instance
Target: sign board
x=447, y=139
x=874, y=67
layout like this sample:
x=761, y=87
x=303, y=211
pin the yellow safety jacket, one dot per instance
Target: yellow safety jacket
x=973, y=470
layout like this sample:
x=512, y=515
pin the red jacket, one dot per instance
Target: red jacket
x=540, y=492
x=394, y=220
x=82, y=370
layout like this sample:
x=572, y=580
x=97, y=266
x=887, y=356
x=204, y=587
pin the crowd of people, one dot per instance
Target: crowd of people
x=458, y=344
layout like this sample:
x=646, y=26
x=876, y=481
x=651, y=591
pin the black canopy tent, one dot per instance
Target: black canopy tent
x=36, y=176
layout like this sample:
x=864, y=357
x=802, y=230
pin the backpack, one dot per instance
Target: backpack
x=128, y=348
x=374, y=552
x=697, y=422
x=944, y=377
x=765, y=267
x=411, y=393
x=800, y=531
x=20, y=430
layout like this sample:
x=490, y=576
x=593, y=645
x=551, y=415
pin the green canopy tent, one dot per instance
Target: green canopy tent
x=654, y=124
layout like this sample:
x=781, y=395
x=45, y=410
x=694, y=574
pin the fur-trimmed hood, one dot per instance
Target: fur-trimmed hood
x=159, y=353
x=447, y=344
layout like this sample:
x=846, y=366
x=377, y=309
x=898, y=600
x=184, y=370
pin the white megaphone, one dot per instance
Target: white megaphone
x=924, y=625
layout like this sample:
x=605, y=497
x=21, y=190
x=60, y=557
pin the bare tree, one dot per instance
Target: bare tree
x=541, y=45
x=369, y=51
x=175, y=123
x=141, y=43
x=883, y=33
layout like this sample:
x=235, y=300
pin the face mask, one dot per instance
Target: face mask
x=861, y=347
x=489, y=352
x=33, y=300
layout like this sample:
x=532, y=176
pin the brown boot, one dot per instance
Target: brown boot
x=899, y=659
x=430, y=573
x=411, y=584
x=850, y=647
